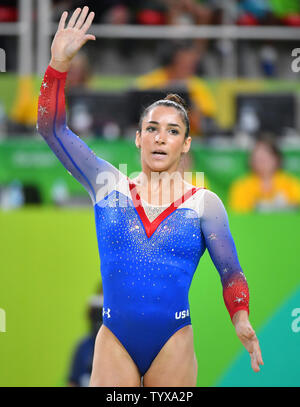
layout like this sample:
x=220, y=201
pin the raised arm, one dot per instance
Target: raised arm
x=222, y=250
x=95, y=174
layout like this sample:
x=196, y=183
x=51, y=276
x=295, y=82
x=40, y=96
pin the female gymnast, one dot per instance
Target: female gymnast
x=151, y=235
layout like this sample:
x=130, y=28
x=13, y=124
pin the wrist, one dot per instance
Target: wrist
x=61, y=66
x=240, y=316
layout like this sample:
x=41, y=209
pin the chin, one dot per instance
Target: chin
x=155, y=167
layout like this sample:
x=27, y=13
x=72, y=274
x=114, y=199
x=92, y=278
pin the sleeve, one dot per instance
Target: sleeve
x=241, y=196
x=222, y=250
x=96, y=175
x=294, y=191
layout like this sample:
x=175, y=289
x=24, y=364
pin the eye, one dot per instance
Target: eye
x=174, y=131
x=150, y=129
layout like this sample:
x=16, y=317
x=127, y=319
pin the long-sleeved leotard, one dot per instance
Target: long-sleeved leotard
x=146, y=265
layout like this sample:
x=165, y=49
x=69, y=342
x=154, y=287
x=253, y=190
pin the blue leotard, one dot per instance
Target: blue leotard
x=146, y=265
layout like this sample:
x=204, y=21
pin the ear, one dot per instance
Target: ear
x=137, y=139
x=187, y=144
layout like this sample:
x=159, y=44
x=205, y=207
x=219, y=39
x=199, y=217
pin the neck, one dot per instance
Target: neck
x=160, y=187
x=174, y=74
x=148, y=176
x=266, y=176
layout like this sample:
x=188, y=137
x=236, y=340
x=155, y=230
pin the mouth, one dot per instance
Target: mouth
x=159, y=153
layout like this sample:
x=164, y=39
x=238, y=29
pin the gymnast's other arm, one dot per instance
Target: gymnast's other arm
x=74, y=154
x=221, y=247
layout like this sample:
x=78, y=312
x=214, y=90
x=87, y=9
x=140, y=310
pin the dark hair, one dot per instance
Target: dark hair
x=167, y=50
x=171, y=100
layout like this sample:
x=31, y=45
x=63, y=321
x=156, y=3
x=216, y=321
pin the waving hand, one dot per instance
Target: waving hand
x=69, y=39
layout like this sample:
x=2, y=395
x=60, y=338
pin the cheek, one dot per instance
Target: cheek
x=176, y=145
x=144, y=139
x=268, y=162
x=146, y=144
x=275, y=163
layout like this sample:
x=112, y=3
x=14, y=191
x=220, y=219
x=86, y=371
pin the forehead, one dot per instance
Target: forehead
x=164, y=115
x=262, y=148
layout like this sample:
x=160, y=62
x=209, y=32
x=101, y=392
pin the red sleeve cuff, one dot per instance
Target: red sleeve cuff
x=55, y=73
x=242, y=307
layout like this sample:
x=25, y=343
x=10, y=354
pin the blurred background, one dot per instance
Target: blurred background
x=237, y=65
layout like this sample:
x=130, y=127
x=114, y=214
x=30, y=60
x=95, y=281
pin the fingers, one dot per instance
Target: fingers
x=79, y=20
x=249, y=339
x=88, y=22
x=256, y=358
x=74, y=18
x=258, y=353
x=82, y=17
x=62, y=21
x=254, y=363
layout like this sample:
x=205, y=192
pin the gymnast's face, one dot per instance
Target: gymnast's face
x=162, y=139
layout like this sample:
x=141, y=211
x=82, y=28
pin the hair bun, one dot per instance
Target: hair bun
x=173, y=97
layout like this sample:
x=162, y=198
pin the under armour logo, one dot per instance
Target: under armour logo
x=106, y=312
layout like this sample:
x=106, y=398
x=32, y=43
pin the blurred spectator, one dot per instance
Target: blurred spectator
x=267, y=187
x=268, y=60
x=109, y=11
x=120, y=14
x=188, y=12
x=23, y=115
x=288, y=11
x=82, y=362
x=8, y=11
x=9, y=14
x=253, y=12
x=152, y=12
x=78, y=83
x=148, y=12
x=179, y=65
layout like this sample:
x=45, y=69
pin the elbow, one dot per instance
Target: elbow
x=48, y=130
x=41, y=129
x=42, y=126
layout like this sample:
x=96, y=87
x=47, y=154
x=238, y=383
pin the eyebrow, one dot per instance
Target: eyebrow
x=169, y=124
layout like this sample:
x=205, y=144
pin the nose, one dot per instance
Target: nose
x=158, y=139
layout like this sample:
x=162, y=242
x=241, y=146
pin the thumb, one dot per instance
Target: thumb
x=91, y=37
x=250, y=333
x=86, y=38
x=246, y=332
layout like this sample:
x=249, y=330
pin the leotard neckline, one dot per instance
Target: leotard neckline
x=150, y=227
